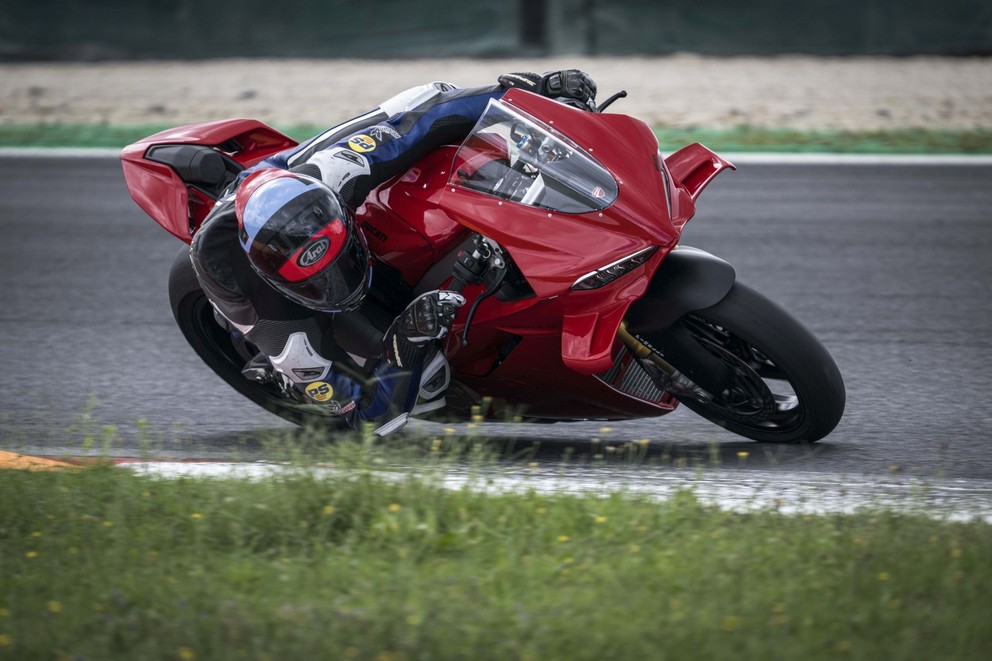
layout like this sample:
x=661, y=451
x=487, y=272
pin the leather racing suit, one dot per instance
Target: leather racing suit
x=296, y=348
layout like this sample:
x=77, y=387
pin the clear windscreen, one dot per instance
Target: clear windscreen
x=515, y=157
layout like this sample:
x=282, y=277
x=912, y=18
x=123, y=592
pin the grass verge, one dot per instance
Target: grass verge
x=369, y=563
x=741, y=139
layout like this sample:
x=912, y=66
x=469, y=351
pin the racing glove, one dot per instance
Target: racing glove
x=427, y=318
x=571, y=86
x=406, y=345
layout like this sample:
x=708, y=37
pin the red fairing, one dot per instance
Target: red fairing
x=413, y=221
x=164, y=196
x=404, y=223
x=554, y=249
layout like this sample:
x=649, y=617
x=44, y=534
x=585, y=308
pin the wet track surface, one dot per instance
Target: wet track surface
x=887, y=264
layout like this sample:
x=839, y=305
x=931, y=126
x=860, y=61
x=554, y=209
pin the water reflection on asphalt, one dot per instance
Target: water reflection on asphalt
x=735, y=490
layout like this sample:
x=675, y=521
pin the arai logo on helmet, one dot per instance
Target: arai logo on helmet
x=314, y=252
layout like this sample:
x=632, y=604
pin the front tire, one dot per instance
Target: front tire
x=226, y=356
x=784, y=387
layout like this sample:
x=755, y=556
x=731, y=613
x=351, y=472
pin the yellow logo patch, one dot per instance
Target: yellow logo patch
x=362, y=143
x=320, y=391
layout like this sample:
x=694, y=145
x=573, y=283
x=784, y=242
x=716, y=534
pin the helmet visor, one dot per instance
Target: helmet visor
x=290, y=226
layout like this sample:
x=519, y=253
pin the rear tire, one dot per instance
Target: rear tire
x=215, y=345
x=785, y=387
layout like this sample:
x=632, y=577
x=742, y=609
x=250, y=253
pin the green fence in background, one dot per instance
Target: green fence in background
x=124, y=29
x=116, y=29
x=769, y=27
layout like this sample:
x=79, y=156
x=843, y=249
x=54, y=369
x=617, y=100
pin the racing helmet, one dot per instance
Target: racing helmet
x=302, y=240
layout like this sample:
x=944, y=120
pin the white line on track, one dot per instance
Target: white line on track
x=738, y=158
x=59, y=152
x=749, y=158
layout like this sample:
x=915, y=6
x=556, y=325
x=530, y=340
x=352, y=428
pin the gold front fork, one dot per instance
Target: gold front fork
x=662, y=372
x=643, y=351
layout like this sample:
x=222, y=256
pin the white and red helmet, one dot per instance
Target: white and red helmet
x=302, y=240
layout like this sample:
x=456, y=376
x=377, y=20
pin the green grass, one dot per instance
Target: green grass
x=742, y=139
x=373, y=561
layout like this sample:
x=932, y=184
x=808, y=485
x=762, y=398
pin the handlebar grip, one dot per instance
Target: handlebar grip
x=466, y=270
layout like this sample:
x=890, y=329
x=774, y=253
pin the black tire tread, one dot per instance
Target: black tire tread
x=802, y=357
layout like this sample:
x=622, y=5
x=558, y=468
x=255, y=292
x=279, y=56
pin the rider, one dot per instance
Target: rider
x=285, y=245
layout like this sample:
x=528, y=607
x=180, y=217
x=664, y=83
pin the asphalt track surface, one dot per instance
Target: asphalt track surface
x=889, y=265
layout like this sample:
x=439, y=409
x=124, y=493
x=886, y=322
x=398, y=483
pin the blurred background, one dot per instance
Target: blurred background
x=848, y=75
x=125, y=29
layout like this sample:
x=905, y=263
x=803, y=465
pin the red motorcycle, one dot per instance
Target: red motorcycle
x=561, y=228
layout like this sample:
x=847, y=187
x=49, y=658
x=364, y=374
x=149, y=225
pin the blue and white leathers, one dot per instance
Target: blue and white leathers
x=352, y=158
x=358, y=155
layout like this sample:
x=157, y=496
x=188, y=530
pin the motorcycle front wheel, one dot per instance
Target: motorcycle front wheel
x=225, y=354
x=782, y=386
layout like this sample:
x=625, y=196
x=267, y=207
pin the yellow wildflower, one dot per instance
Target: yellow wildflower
x=54, y=607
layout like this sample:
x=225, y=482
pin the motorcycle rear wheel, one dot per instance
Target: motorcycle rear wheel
x=784, y=385
x=216, y=346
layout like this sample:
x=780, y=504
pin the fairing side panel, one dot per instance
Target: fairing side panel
x=404, y=222
x=539, y=385
x=694, y=166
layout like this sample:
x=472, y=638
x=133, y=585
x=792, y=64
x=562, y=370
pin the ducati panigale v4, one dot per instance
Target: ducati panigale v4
x=561, y=228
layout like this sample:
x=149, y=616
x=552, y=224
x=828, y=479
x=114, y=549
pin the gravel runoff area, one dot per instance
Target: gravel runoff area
x=683, y=91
